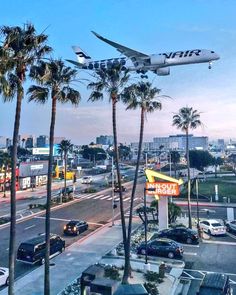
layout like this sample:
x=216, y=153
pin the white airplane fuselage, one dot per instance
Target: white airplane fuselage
x=154, y=62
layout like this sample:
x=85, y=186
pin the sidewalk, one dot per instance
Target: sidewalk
x=69, y=265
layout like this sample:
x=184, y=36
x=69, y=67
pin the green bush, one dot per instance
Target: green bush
x=112, y=272
x=153, y=277
x=151, y=288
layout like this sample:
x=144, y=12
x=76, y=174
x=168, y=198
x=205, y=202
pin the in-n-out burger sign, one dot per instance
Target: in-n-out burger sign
x=162, y=188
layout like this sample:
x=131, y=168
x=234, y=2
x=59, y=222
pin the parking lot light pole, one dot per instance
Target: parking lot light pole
x=198, y=225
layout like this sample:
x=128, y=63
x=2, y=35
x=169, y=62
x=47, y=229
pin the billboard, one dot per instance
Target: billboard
x=162, y=188
x=45, y=151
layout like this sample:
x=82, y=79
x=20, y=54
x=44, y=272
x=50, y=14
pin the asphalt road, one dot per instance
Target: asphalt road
x=96, y=209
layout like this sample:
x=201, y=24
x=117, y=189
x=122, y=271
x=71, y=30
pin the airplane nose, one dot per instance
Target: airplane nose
x=216, y=57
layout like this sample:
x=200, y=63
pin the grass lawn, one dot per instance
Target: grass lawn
x=226, y=188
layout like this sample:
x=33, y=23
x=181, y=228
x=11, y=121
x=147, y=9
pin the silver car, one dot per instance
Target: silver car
x=212, y=227
x=231, y=226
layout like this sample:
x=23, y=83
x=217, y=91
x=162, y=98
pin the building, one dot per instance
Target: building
x=2, y=141
x=105, y=140
x=8, y=142
x=42, y=141
x=29, y=143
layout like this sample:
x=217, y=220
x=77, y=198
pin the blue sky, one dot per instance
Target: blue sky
x=149, y=26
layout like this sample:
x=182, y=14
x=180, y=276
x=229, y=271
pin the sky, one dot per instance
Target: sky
x=150, y=26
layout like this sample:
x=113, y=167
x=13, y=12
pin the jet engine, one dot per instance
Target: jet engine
x=157, y=59
x=162, y=71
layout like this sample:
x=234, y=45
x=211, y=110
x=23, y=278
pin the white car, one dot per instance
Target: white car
x=4, y=276
x=212, y=227
x=87, y=179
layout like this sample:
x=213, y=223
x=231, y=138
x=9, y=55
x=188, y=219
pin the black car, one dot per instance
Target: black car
x=75, y=227
x=179, y=234
x=161, y=247
x=69, y=190
x=33, y=251
x=117, y=189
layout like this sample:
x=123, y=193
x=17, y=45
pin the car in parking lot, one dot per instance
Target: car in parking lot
x=75, y=227
x=178, y=234
x=212, y=227
x=33, y=251
x=161, y=247
x=231, y=226
x=87, y=179
x=4, y=276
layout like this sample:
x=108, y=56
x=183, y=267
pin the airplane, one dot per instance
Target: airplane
x=141, y=63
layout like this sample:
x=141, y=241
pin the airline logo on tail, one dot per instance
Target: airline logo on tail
x=82, y=57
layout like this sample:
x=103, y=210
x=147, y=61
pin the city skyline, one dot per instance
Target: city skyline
x=198, y=25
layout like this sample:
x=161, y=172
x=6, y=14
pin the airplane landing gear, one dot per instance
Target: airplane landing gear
x=210, y=65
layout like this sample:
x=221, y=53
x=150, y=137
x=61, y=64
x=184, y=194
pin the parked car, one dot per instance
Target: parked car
x=215, y=284
x=212, y=227
x=75, y=227
x=4, y=276
x=231, y=226
x=87, y=179
x=33, y=250
x=179, y=234
x=161, y=247
x=117, y=189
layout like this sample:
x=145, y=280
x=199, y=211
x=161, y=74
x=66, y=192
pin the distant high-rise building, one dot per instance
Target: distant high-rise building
x=29, y=143
x=221, y=143
x=8, y=142
x=2, y=141
x=105, y=140
x=42, y=141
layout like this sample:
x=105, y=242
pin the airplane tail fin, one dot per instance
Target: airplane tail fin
x=82, y=57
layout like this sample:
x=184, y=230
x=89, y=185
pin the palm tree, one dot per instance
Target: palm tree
x=54, y=80
x=175, y=157
x=142, y=96
x=5, y=160
x=64, y=148
x=20, y=49
x=112, y=81
x=186, y=119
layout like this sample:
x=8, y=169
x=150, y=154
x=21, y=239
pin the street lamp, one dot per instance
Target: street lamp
x=198, y=226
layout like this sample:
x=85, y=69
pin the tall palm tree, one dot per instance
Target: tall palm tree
x=20, y=49
x=175, y=158
x=64, y=148
x=5, y=160
x=187, y=119
x=144, y=97
x=112, y=81
x=54, y=80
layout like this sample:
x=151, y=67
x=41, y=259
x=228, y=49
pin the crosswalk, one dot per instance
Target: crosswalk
x=103, y=197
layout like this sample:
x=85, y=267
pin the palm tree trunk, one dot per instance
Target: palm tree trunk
x=122, y=215
x=48, y=204
x=4, y=186
x=12, y=241
x=189, y=189
x=65, y=162
x=127, y=268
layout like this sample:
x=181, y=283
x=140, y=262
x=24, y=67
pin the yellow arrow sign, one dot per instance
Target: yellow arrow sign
x=151, y=175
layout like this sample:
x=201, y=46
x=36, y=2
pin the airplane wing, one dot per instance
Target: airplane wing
x=130, y=53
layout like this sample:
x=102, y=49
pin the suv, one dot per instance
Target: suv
x=215, y=284
x=33, y=250
x=87, y=179
x=179, y=234
x=75, y=227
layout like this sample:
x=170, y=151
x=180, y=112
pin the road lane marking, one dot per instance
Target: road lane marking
x=232, y=236
x=103, y=198
x=52, y=218
x=219, y=242
x=190, y=253
x=91, y=196
x=109, y=199
x=98, y=197
x=33, y=225
x=126, y=199
x=190, y=245
x=134, y=199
